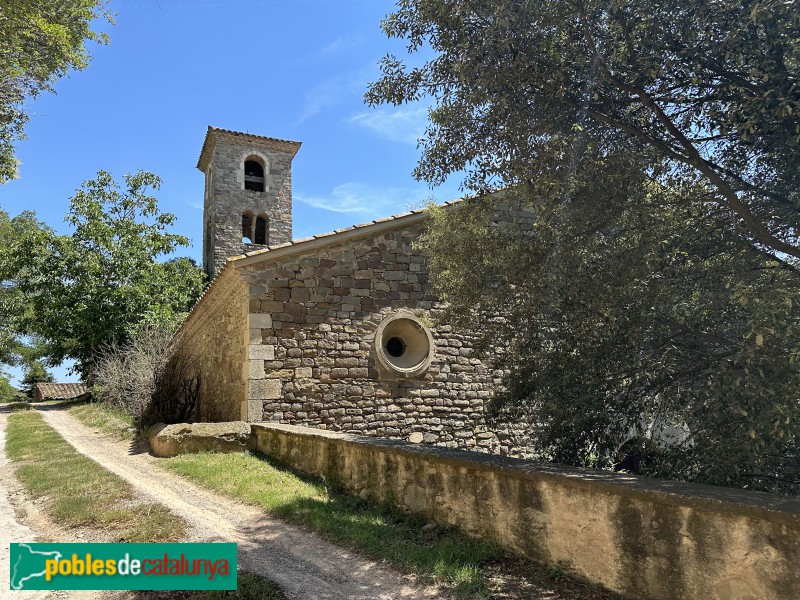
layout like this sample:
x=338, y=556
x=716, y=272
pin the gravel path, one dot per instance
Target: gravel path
x=13, y=530
x=302, y=563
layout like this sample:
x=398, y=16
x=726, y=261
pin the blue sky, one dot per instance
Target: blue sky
x=292, y=69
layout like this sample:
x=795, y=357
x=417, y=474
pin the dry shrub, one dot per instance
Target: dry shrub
x=145, y=380
x=176, y=392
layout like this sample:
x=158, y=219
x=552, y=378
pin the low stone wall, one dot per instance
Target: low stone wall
x=189, y=438
x=644, y=538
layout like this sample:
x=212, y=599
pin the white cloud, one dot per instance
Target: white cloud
x=405, y=125
x=340, y=44
x=333, y=91
x=331, y=50
x=368, y=200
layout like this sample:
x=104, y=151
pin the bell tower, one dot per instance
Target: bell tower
x=248, y=194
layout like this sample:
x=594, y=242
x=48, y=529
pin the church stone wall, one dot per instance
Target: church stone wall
x=214, y=339
x=313, y=321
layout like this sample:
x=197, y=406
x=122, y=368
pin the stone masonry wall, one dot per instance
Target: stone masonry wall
x=312, y=357
x=226, y=200
x=215, y=336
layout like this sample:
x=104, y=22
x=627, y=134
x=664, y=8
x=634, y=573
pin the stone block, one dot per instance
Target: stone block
x=261, y=352
x=255, y=410
x=265, y=389
x=394, y=275
x=299, y=294
x=187, y=438
x=256, y=369
x=260, y=321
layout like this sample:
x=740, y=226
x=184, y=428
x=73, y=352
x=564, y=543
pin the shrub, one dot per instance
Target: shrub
x=176, y=392
x=146, y=380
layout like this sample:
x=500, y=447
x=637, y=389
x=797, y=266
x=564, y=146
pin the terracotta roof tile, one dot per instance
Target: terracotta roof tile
x=61, y=391
x=252, y=135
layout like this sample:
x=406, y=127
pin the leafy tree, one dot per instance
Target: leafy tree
x=39, y=43
x=21, y=238
x=35, y=373
x=94, y=287
x=703, y=93
x=8, y=393
x=653, y=305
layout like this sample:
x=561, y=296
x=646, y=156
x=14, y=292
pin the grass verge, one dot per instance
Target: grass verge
x=77, y=491
x=250, y=587
x=438, y=555
x=105, y=418
x=15, y=406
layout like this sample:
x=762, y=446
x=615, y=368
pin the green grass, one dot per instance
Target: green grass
x=78, y=491
x=17, y=398
x=16, y=406
x=250, y=587
x=442, y=555
x=105, y=418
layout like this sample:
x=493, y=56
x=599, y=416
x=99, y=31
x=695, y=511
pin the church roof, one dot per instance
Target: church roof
x=337, y=236
x=261, y=141
x=315, y=242
x=60, y=391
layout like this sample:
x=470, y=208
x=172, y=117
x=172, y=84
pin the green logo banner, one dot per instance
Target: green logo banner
x=123, y=566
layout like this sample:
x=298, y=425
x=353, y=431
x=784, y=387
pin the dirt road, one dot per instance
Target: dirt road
x=13, y=530
x=303, y=564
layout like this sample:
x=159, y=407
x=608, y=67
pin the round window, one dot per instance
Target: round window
x=396, y=347
x=403, y=345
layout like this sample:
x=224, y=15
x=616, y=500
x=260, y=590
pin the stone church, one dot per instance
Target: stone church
x=333, y=331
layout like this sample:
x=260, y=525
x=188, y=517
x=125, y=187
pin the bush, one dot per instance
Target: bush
x=146, y=381
x=8, y=393
x=176, y=392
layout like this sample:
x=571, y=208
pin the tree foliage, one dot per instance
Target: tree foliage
x=40, y=42
x=98, y=285
x=19, y=238
x=704, y=93
x=8, y=393
x=35, y=372
x=655, y=148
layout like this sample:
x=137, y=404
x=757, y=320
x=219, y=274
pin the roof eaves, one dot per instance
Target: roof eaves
x=212, y=133
x=326, y=239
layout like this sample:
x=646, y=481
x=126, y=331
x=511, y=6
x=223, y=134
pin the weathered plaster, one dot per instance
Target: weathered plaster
x=648, y=539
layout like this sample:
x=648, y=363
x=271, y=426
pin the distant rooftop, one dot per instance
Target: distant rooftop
x=59, y=391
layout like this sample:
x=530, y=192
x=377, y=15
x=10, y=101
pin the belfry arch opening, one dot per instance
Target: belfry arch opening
x=262, y=230
x=247, y=227
x=253, y=175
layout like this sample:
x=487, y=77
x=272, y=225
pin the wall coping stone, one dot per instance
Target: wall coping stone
x=775, y=508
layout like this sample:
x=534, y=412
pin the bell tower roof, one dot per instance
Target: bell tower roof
x=214, y=134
